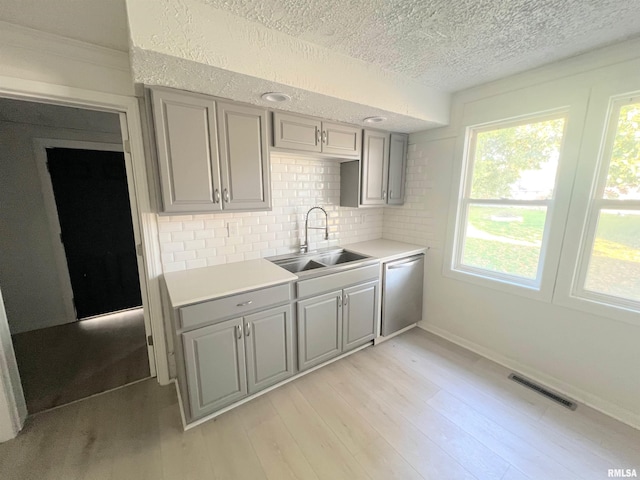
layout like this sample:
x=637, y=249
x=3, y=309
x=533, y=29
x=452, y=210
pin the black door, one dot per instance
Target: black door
x=92, y=198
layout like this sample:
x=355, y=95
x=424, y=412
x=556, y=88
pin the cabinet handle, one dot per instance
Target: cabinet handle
x=244, y=304
x=340, y=301
x=216, y=198
x=226, y=195
x=390, y=193
x=384, y=194
x=247, y=329
x=318, y=136
x=346, y=299
x=324, y=136
x=239, y=331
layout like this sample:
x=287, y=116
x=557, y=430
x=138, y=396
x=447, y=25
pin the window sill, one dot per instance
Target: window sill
x=503, y=285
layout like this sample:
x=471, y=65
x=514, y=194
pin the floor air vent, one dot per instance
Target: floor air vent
x=543, y=391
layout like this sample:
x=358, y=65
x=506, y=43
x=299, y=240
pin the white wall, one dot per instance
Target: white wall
x=591, y=358
x=32, y=55
x=191, y=241
x=28, y=272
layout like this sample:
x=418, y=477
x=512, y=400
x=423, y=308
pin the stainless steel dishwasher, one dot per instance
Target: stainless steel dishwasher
x=402, y=292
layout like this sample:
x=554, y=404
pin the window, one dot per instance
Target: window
x=507, y=198
x=610, y=268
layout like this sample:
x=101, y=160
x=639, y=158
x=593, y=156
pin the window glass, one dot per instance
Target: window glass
x=504, y=239
x=623, y=179
x=614, y=265
x=518, y=162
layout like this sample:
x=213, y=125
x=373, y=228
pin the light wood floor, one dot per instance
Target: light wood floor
x=68, y=362
x=411, y=408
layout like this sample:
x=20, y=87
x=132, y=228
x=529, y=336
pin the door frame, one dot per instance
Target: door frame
x=150, y=266
x=46, y=187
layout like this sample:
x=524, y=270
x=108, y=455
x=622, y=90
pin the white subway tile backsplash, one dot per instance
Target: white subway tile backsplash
x=298, y=184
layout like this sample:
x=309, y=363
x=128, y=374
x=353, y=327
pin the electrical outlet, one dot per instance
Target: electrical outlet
x=232, y=229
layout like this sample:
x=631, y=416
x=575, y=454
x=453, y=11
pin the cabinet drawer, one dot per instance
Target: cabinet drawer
x=335, y=281
x=234, y=305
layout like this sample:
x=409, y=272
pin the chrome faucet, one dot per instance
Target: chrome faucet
x=304, y=248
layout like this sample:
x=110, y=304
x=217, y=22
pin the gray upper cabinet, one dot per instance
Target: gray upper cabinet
x=397, y=168
x=359, y=315
x=319, y=329
x=212, y=155
x=215, y=366
x=295, y=132
x=187, y=147
x=307, y=134
x=341, y=140
x=379, y=177
x=244, y=157
x=374, y=168
x=269, y=347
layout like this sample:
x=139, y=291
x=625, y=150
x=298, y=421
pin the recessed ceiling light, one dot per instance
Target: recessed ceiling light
x=276, y=97
x=374, y=119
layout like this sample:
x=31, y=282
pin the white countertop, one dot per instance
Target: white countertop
x=385, y=250
x=208, y=283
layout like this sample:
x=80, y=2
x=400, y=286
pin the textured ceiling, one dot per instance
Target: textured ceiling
x=448, y=44
x=101, y=22
x=170, y=71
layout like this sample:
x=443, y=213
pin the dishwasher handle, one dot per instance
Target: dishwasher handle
x=404, y=264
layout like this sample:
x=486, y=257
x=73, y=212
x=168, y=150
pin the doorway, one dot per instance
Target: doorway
x=92, y=201
x=65, y=354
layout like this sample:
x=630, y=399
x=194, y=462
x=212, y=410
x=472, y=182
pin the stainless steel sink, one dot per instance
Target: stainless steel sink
x=321, y=262
x=335, y=258
x=298, y=265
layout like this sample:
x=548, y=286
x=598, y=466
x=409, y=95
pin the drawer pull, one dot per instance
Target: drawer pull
x=244, y=304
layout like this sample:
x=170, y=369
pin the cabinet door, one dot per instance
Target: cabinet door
x=269, y=346
x=360, y=313
x=375, y=167
x=319, y=329
x=187, y=147
x=215, y=364
x=244, y=157
x=397, y=168
x=296, y=133
x=341, y=140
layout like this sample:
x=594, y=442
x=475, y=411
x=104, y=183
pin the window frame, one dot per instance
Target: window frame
x=513, y=283
x=597, y=203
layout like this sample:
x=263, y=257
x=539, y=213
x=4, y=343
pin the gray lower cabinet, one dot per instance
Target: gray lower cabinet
x=308, y=134
x=269, y=347
x=360, y=312
x=397, y=168
x=319, y=329
x=214, y=359
x=374, y=168
x=212, y=155
x=336, y=322
x=229, y=360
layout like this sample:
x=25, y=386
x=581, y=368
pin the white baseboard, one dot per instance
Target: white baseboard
x=593, y=401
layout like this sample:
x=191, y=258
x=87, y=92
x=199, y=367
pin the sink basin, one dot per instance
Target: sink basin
x=336, y=258
x=298, y=265
x=320, y=262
